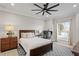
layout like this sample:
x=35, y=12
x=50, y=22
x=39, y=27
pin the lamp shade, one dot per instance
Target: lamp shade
x=9, y=27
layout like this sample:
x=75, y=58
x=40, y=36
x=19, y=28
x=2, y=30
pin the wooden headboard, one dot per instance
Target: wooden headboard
x=25, y=31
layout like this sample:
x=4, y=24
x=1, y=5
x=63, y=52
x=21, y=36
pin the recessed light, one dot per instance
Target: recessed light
x=74, y=5
x=12, y=4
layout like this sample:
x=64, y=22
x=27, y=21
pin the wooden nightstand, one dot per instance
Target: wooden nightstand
x=8, y=43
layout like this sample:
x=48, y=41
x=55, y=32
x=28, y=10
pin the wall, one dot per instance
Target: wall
x=76, y=29
x=19, y=22
x=48, y=24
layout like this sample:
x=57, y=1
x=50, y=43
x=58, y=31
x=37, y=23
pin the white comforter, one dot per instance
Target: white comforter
x=34, y=42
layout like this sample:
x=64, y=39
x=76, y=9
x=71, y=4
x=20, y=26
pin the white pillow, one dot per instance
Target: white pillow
x=27, y=35
x=23, y=35
x=30, y=35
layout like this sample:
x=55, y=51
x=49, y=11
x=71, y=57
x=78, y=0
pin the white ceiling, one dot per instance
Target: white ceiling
x=65, y=9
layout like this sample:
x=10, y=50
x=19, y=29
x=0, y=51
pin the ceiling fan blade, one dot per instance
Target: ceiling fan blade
x=54, y=6
x=43, y=13
x=52, y=10
x=48, y=13
x=36, y=10
x=39, y=12
x=38, y=6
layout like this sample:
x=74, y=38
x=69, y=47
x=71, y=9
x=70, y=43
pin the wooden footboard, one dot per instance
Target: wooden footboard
x=41, y=50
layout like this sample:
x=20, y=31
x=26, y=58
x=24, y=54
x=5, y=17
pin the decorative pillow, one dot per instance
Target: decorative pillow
x=23, y=35
x=27, y=35
x=30, y=35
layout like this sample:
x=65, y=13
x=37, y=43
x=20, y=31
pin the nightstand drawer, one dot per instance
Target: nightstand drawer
x=8, y=43
x=4, y=40
x=4, y=43
x=5, y=47
x=13, y=39
x=13, y=45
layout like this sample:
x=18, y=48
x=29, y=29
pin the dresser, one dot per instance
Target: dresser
x=8, y=43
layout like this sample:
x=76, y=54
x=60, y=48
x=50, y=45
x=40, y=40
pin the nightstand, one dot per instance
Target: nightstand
x=8, y=43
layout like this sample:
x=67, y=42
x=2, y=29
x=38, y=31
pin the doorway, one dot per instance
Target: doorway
x=63, y=31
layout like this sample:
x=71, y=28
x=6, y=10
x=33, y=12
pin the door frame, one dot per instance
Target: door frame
x=69, y=37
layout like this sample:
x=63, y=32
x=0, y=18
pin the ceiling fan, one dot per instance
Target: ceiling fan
x=45, y=9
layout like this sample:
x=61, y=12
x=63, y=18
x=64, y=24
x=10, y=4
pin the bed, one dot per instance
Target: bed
x=34, y=46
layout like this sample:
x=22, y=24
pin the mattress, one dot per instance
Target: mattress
x=32, y=43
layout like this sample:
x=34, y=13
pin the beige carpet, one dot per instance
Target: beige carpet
x=10, y=53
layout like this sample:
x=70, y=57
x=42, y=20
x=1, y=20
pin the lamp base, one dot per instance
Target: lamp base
x=10, y=34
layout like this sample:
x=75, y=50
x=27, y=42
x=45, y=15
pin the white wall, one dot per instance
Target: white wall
x=76, y=29
x=48, y=25
x=19, y=22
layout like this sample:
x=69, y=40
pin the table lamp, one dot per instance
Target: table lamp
x=9, y=28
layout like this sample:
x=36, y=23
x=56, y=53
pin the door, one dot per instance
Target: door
x=63, y=32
